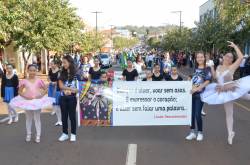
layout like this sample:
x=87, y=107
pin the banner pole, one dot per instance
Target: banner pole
x=78, y=106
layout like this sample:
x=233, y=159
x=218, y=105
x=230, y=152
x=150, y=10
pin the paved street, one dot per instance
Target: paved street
x=156, y=145
x=108, y=145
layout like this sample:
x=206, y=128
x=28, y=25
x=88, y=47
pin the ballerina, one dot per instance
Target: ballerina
x=225, y=91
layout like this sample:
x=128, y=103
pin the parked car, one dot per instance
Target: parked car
x=105, y=59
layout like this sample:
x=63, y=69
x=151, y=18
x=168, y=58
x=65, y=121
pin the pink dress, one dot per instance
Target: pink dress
x=32, y=90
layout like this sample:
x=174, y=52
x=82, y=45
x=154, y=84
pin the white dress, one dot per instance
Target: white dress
x=213, y=97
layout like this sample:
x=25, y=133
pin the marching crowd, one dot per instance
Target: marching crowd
x=212, y=80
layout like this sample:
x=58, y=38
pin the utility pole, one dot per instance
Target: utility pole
x=111, y=36
x=96, y=26
x=180, y=12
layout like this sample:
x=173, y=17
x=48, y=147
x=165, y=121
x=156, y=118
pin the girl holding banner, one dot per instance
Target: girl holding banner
x=157, y=76
x=225, y=91
x=174, y=76
x=130, y=74
x=95, y=72
x=201, y=78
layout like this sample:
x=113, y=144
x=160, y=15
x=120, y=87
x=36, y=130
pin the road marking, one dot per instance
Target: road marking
x=242, y=106
x=131, y=154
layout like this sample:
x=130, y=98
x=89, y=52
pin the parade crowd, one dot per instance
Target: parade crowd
x=213, y=83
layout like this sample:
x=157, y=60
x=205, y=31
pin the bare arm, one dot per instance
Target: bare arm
x=236, y=64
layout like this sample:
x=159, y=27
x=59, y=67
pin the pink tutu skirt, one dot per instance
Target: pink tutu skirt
x=32, y=105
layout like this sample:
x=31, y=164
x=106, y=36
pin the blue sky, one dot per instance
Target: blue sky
x=138, y=12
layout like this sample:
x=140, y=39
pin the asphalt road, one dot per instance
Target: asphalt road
x=162, y=145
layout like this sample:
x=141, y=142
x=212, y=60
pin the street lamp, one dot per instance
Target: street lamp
x=180, y=12
x=111, y=36
x=96, y=25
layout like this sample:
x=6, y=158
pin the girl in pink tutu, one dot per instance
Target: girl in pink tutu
x=32, y=99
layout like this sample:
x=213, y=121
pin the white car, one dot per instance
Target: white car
x=105, y=59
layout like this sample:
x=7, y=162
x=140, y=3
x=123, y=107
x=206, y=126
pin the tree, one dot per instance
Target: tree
x=11, y=18
x=35, y=25
x=122, y=42
x=154, y=43
x=90, y=42
x=235, y=17
x=209, y=35
x=176, y=40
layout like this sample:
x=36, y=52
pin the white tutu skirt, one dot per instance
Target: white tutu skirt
x=212, y=97
x=32, y=105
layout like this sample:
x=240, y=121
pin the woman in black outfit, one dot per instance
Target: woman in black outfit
x=157, y=76
x=130, y=74
x=95, y=72
x=68, y=85
x=173, y=75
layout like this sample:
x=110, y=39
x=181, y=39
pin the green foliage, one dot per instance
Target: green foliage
x=235, y=18
x=176, y=39
x=122, y=42
x=91, y=42
x=154, y=43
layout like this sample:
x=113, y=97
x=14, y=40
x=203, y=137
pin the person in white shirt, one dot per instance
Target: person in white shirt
x=139, y=64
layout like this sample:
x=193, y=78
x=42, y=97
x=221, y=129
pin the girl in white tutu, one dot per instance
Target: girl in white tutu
x=225, y=91
x=32, y=99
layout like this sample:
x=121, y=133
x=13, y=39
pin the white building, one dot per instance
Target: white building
x=122, y=33
x=207, y=10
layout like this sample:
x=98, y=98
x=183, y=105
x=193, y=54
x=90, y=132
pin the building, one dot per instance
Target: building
x=208, y=9
x=122, y=33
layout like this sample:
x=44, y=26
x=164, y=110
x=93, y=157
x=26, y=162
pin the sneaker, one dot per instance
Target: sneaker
x=16, y=119
x=10, y=121
x=199, y=137
x=72, y=138
x=28, y=138
x=53, y=113
x=37, y=140
x=63, y=137
x=59, y=123
x=191, y=136
x=230, y=138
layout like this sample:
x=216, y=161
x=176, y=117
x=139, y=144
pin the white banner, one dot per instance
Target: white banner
x=151, y=103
